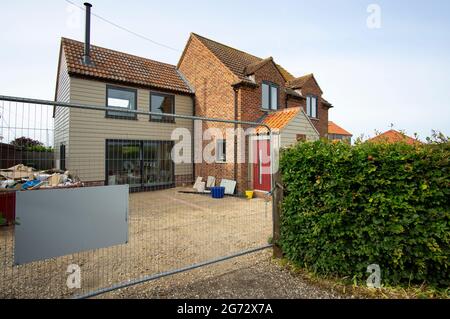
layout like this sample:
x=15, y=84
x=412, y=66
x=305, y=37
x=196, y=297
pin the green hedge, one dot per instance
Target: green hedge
x=348, y=207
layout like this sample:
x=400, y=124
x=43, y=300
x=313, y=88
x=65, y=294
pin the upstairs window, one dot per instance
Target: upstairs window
x=221, y=151
x=270, y=96
x=121, y=98
x=164, y=104
x=312, y=106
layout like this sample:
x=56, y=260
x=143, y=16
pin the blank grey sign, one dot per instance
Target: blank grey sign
x=59, y=222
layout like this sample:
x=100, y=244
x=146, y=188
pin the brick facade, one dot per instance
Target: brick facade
x=183, y=180
x=321, y=124
x=215, y=98
x=250, y=106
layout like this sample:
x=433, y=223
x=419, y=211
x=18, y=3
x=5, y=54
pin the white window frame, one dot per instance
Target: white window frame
x=310, y=111
x=221, y=151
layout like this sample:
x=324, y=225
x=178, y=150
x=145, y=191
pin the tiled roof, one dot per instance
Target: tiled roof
x=294, y=93
x=326, y=102
x=252, y=68
x=393, y=136
x=110, y=65
x=298, y=83
x=333, y=128
x=278, y=120
x=287, y=76
x=236, y=60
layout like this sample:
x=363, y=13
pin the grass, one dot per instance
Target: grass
x=351, y=289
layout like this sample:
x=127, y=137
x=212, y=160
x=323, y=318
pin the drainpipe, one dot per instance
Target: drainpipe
x=194, y=176
x=236, y=118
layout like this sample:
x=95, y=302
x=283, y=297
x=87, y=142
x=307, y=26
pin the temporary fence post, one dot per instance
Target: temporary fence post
x=277, y=199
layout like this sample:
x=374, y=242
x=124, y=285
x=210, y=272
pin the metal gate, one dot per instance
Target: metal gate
x=171, y=227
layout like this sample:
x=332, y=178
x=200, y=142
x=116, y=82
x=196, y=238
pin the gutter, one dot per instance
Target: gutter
x=185, y=81
x=242, y=83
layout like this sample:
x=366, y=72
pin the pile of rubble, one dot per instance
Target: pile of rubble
x=21, y=177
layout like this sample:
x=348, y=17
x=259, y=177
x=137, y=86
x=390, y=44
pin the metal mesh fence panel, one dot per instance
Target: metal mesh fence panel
x=172, y=226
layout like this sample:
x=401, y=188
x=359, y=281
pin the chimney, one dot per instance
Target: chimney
x=87, y=36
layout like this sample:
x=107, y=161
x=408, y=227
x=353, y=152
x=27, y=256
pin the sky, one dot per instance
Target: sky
x=378, y=68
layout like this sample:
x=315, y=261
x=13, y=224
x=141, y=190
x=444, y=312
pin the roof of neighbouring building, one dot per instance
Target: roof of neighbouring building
x=238, y=61
x=393, y=136
x=110, y=65
x=333, y=128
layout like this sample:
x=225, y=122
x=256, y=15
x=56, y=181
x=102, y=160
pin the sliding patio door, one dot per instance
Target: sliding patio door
x=123, y=163
x=144, y=165
x=158, y=168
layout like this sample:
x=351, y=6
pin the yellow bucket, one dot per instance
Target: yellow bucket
x=249, y=194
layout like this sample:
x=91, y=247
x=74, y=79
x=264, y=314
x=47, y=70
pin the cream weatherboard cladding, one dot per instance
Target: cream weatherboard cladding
x=299, y=125
x=61, y=127
x=89, y=130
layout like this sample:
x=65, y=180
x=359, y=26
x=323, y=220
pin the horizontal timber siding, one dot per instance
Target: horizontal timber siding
x=299, y=125
x=62, y=114
x=90, y=129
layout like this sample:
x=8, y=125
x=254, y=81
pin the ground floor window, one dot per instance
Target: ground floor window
x=140, y=164
x=221, y=151
x=62, y=157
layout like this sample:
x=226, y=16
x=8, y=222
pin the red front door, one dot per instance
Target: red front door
x=262, y=176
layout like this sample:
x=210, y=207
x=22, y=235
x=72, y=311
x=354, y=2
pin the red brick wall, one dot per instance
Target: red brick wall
x=250, y=104
x=210, y=79
x=250, y=109
x=321, y=124
x=251, y=98
x=183, y=180
x=214, y=97
x=295, y=102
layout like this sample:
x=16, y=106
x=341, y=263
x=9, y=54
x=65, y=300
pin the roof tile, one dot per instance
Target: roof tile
x=278, y=120
x=393, y=136
x=333, y=128
x=238, y=61
x=298, y=83
x=117, y=66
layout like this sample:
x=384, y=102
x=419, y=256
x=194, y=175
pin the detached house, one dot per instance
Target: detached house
x=211, y=80
x=235, y=85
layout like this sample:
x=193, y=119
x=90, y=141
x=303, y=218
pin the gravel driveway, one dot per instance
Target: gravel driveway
x=168, y=230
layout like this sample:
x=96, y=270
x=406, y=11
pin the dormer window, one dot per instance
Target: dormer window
x=312, y=106
x=270, y=96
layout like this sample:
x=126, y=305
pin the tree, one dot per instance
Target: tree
x=26, y=142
